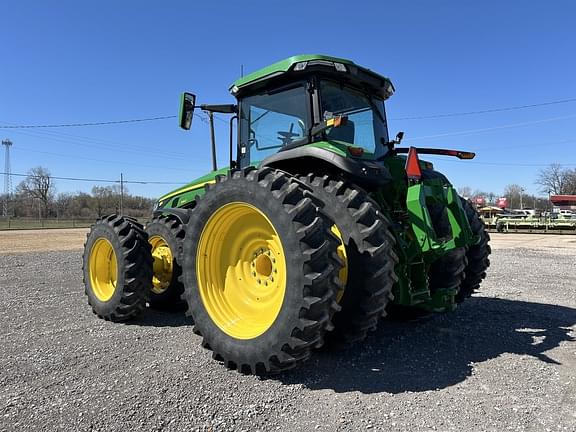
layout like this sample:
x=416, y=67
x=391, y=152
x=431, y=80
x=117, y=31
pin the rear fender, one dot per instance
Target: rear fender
x=182, y=214
x=419, y=196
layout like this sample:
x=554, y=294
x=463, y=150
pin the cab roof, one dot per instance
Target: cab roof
x=347, y=69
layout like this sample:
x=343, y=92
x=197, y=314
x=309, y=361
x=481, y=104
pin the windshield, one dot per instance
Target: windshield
x=273, y=120
x=366, y=126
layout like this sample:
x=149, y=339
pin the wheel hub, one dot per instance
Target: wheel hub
x=241, y=270
x=103, y=268
x=162, y=266
x=263, y=266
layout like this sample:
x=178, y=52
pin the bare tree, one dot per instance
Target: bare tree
x=570, y=182
x=465, y=191
x=107, y=199
x=38, y=185
x=513, y=193
x=553, y=179
x=63, y=203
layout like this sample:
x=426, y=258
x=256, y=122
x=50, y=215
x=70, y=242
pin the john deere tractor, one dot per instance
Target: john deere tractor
x=318, y=226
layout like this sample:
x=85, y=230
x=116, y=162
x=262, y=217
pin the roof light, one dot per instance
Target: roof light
x=234, y=90
x=300, y=66
x=340, y=67
x=413, y=170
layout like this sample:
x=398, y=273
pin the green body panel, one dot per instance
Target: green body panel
x=336, y=147
x=419, y=245
x=418, y=196
x=186, y=194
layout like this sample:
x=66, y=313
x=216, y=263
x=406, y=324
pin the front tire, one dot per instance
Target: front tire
x=260, y=271
x=117, y=268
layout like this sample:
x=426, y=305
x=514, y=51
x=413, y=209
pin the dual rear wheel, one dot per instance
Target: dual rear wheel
x=268, y=276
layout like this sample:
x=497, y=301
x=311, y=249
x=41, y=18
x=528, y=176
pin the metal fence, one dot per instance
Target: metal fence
x=35, y=223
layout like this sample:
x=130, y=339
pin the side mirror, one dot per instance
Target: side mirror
x=187, y=103
x=399, y=137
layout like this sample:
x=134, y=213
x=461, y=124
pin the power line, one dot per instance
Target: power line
x=143, y=182
x=476, y=131
x=202, y=117
x=422, y=117
x=493, y=110
x=100, y=123
x=504, y=164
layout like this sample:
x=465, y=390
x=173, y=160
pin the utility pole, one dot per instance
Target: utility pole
x=121, y=194
x=521, y=206
x=7, y=177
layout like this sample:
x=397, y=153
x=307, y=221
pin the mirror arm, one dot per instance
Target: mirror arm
x=212, y=140
x=232, y=162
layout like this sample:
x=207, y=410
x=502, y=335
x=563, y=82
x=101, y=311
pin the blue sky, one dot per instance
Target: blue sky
x=71, y=61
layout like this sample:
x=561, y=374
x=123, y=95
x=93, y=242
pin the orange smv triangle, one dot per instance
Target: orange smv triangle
x=413, y=170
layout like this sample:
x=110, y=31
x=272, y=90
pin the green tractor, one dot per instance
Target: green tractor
x=318, y=226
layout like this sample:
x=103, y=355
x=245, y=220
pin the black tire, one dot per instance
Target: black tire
x=477, y=255
x=370, y=254
x=129, y=243
x=311, y=272
x=448, y=271
x=169, y=230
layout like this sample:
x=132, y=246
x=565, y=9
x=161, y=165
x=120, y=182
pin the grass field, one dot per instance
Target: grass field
x=26, y=223
x=6, y=224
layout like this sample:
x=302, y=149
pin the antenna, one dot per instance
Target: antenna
x=7, y=176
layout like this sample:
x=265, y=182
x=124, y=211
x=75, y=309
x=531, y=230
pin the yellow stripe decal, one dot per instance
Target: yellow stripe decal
x=190, y=189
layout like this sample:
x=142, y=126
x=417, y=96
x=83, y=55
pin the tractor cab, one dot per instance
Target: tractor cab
x=329, y=104
x=312, y=99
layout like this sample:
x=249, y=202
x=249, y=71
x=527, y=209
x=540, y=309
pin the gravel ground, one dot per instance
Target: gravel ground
x=505, y=360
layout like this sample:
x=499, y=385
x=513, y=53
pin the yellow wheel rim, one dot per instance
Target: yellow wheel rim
x=163, y=264
x=343, y=273
x=103, y=269
x=241, y=270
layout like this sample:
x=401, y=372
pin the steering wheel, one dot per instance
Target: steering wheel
x=287, y=137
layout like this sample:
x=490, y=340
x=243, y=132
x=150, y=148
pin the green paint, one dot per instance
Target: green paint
x=184, y=195
x=283, y=66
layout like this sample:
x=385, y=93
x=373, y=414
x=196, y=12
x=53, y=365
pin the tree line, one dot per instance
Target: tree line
x=552, y=180
x=36, y=196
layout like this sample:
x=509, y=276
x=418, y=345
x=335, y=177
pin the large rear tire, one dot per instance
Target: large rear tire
x=260, y=271
x=165, y=235
x=117, y=267
x=367, y=247
x=477, y=255
x=448, y=271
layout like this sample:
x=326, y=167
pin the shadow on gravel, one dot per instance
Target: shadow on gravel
x=158, y=318
x=439, y=352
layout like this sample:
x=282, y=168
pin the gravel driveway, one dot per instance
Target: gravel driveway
x=505, y=360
